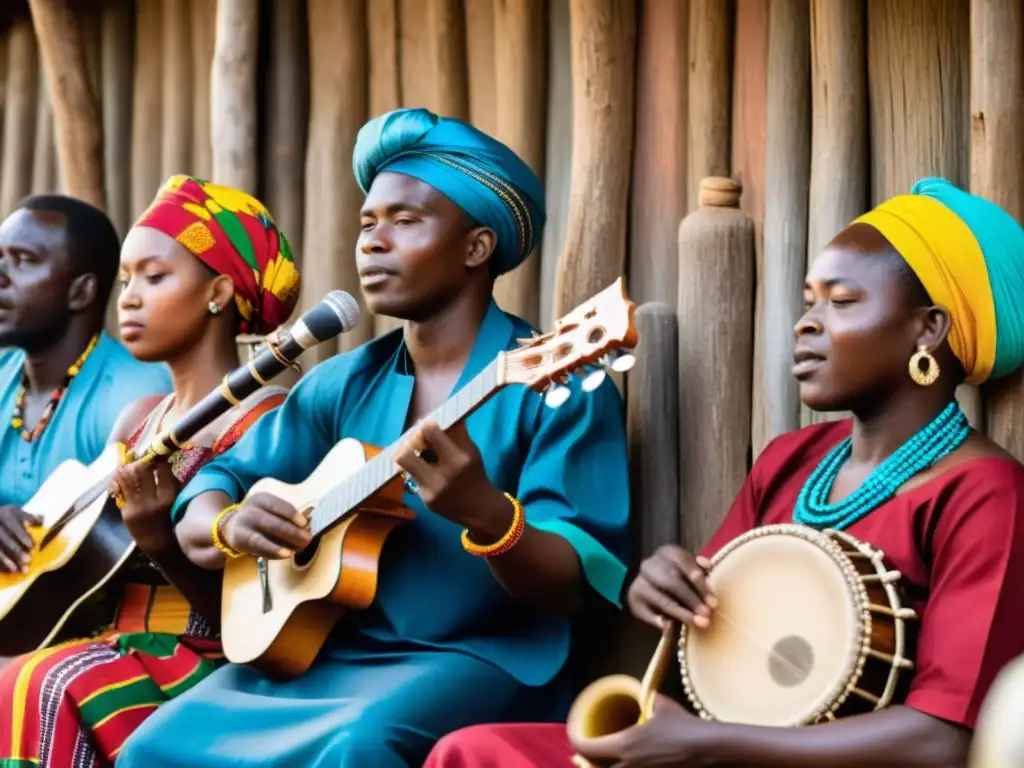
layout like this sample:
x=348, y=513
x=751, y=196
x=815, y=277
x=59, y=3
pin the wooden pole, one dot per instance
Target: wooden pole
x=558, y=163
x=338, y=108
x=658, y=199
x=997, y=164
x=839, y=130
x=204, y=32
x=652, y=427
x=19, y=115
x=176, y=70
x=603, y=47
x=520, y=79
x=386, y=86
x=710, y=52
x=117, y=36
x=920, y=49
x=76, y=114
x=749, y=115
x=147, y=123
x=433, y=56
x=480, y=55
x=233, y=94
x=716, y=345
x=44, y=158
x=787, y=177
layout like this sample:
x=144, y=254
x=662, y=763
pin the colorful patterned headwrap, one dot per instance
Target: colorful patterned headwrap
x=233, y=234
x=482, y=176
x=968, y=254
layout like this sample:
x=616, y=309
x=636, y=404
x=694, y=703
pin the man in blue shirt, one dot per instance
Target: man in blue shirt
x=63, y=380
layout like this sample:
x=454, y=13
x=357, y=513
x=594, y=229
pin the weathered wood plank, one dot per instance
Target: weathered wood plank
x=177, y=60
x=787, y=182
x=603, y=50
x=997, y=164
x=233, y=129
x=22, y=95
x=147, y=104
x=117, y=51
x=658, y=198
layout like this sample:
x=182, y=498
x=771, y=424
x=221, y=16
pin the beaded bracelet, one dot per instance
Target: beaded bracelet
x=215, y=532
x=506, y=542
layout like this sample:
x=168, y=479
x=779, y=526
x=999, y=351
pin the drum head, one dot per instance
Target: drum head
x=785, y=637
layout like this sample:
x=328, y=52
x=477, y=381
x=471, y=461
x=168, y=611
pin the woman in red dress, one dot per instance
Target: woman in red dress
x=934, y=278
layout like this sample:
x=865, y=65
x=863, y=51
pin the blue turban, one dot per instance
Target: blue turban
x=482, y=176
x=1001, y=240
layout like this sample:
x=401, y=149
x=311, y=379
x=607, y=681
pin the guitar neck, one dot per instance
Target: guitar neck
x=380, y=470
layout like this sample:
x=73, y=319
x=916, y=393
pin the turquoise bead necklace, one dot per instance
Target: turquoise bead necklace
x=944, y=434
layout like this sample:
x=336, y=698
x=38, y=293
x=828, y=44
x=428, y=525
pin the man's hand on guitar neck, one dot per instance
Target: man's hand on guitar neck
x=450, y=476
x=15, y=543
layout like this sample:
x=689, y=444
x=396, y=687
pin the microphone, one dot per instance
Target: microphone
x=337, y=313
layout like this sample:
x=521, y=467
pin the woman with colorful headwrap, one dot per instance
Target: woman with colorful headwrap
x=912, y=299
x=202, y=264
x=471, y=618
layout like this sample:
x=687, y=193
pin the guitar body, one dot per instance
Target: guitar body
x=86, y=553
x=279, y=623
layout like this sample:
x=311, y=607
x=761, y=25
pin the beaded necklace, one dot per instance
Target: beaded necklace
x=944, y=434
x=18, y=420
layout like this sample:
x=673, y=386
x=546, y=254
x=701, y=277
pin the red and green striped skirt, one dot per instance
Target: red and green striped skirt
x=73, y=705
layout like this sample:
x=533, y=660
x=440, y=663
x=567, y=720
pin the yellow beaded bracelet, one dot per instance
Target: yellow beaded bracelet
x=215, y=532
x=505, y=543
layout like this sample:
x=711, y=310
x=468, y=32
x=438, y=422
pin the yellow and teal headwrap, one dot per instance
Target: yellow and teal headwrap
x=479, y=174
x=968, y=254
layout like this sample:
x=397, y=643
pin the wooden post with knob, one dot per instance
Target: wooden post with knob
x=716, y=346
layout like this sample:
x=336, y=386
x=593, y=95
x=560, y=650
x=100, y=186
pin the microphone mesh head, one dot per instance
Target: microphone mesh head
x=345, y=307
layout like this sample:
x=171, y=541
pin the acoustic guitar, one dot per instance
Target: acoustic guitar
x=276, y=614
x=82, y=542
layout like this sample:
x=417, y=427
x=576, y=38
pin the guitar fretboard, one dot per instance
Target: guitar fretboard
x=380, y=470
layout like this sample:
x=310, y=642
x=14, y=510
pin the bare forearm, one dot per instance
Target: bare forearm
x=195, y=531
x=541, y=569
x=201, y=587
x=897, y=737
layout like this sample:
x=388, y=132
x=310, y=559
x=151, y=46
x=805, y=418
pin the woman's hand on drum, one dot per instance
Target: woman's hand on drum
x=672, y=584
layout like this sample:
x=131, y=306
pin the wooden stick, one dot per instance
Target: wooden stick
x=603, y=44
x=204, y=33
x=76, y=114
x=117, y=51
x=233, y=93
x=177, y=60
x=147, y=125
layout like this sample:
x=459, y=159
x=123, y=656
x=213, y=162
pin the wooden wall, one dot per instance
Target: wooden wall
x=819, y=108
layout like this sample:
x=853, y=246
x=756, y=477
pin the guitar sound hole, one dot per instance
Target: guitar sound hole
x=305, y=556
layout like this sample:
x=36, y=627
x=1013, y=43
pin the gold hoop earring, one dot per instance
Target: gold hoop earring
x=214, y=308
x=927, y=374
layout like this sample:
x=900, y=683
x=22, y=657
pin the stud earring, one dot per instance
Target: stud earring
x=214, y=308
x=924, y=368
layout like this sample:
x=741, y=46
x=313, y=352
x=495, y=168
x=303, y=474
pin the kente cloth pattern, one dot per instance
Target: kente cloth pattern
x=234, y=234
x=968, y=254
x=73, y=705
x=482, y=176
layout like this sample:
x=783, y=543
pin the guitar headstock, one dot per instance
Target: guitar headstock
x=595, y=333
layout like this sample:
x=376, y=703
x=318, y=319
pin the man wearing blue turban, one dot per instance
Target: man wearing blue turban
x=521, y=510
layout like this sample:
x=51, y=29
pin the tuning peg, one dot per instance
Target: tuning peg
x=556, y=396
x=620, y=362
x=594, y=379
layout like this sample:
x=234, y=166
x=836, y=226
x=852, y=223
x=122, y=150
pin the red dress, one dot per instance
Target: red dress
x=958, y=540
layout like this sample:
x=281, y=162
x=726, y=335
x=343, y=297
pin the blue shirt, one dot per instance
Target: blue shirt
x=567, y=466
x=80, y=428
